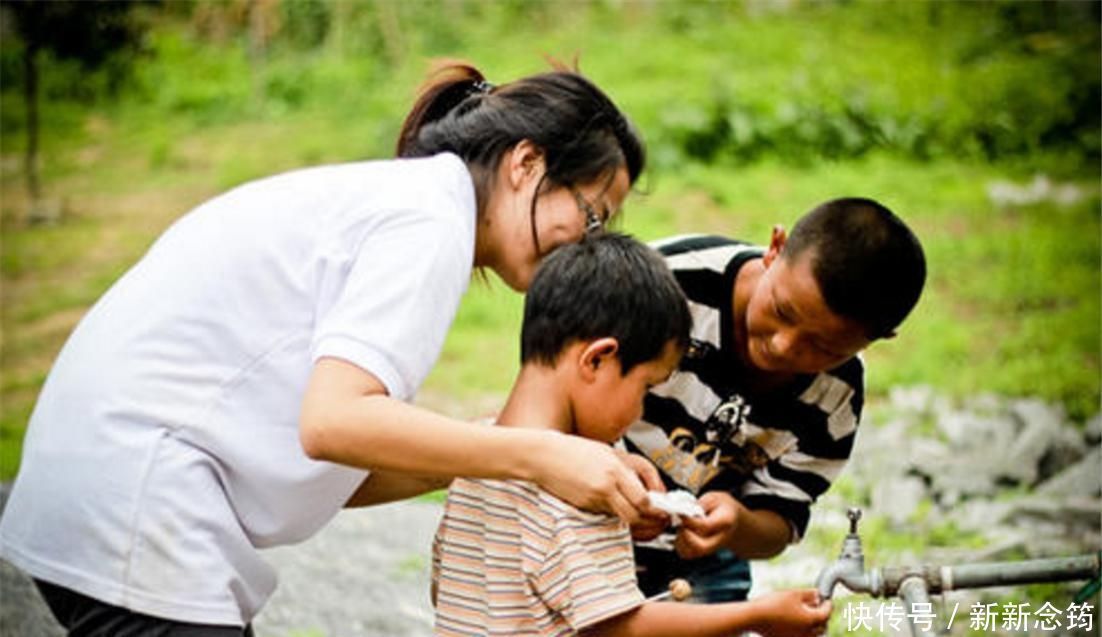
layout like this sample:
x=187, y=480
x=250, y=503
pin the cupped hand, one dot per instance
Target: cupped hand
x=706, y=535
x=592, y=476
x=791, y=613
x=651, y=524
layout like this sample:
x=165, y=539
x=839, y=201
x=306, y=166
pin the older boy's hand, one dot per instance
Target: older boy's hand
x=703, y=536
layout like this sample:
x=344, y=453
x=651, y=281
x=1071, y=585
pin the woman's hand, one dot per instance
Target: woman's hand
x=703, y=536
x=590, y=475
x=652, y=522
x=791, y=613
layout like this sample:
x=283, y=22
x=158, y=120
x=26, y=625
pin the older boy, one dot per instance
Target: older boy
x=604, y=322
x=761, y=415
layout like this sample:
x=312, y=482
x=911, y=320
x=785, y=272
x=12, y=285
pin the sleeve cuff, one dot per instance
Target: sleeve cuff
x=366, y=357
x=796, y=513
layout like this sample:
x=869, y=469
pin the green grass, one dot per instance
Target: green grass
x=1012, y=303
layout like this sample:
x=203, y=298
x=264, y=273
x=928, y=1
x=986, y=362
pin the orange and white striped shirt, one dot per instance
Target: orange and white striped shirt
x=512, y=559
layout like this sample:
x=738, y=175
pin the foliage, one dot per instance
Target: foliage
x=753, y=112
x=840, y=101
x=95, y=34
x=92, y=33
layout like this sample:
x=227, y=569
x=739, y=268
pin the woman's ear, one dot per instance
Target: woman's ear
x=524, y=163
x=601, y=351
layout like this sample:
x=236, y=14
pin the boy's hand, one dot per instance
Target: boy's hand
x=651, y=524
x=703, y=536
x=794, y=612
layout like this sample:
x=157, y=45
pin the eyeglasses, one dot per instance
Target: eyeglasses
x=593, y=222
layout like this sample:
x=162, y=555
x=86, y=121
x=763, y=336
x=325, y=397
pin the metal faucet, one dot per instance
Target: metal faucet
x=849, y=569
x=915, y=584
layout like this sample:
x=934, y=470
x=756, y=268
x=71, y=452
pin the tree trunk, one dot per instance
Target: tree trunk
x=391, y=29
x=30, y=102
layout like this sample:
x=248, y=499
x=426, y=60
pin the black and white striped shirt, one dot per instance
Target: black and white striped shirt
x=706, y=430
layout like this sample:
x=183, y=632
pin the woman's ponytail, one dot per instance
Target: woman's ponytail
x=449, y=84
x=581, y=132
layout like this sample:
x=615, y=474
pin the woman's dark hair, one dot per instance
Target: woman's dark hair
x=606, y=285
x=869, y=266
x=581, y=132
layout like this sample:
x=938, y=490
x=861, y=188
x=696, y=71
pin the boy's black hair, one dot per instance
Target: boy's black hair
x=608, y=284
x=869, y=265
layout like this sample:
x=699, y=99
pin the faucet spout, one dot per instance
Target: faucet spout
x=829, y=577
x=854, y=579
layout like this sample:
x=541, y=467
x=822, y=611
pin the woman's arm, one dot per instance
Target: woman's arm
x=347, y=417
x=381, y=487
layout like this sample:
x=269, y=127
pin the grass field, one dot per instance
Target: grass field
x=1013, y=300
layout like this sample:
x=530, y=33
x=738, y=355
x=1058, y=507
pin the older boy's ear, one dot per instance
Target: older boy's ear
x=598, y=352
x=777, y=239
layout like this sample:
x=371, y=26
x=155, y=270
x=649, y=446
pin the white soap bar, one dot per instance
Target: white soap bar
x=676, y=503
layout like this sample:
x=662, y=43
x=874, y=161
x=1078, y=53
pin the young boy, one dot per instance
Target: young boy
x=604, y=321
x=761, y=415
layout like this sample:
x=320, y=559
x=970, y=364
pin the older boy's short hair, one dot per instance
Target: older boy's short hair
x=606, y=285
x=869, y=265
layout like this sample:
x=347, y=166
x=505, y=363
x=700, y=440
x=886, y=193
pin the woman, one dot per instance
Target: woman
x=230, y=392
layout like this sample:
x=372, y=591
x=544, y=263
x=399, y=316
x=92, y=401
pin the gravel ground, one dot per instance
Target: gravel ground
x=365, y=575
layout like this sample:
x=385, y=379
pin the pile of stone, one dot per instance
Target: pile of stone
x=1015, y=472
x=991, y=478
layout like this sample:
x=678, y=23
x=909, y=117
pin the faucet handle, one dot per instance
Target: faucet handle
x=854, y=514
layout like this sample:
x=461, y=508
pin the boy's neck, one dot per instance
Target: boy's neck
x=538, y=400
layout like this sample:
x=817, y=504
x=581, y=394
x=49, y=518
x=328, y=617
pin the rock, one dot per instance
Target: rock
x=917, y=399
x=985, y=404
x=925, y=456
x=898, y=498
x=981, y=515
x=365, y=573
x=23, y=612
x=1065, y=449
x=1033, y=410
x=1092, y=432
x=967, y=432
x=1083, y=479
x=1058, y=526
x=1039, y=426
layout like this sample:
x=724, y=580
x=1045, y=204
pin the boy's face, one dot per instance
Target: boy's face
x=789, y=327
x=607, y=406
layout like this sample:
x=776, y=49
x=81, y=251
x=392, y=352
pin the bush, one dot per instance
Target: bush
x=987, y=80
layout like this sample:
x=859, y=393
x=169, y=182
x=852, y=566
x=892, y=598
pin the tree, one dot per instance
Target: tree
x=89, y=32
